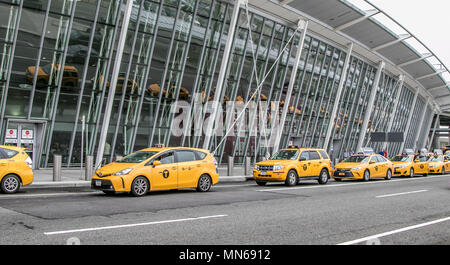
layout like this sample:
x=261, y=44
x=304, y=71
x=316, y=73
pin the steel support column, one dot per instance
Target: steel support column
x=222, y=73
x=427, y=130
x=303, y=25
x=408, y=123
x=338, y=96
x=436, y=124
x=401, y=79
x=112, y=87
x=373, y=93
x=419, y=130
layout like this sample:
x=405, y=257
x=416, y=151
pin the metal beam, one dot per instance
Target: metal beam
x=424, y=56
x=222, y=73
x=416, y=138
x=373, y=93
x=430, y=75
x=338, y=95
x=112, y=87
x=402, y=38
x=303, y=25
x=436, y=124
x=369, y=13
x=401, y=79
x=408, y=123
x=438, y=87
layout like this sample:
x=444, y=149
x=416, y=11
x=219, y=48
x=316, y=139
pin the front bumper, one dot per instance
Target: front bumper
x=269, y=175
x=347, y=174
x=102, y=184
x=400, y=172
x=435, y=170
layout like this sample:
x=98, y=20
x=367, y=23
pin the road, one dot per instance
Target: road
x=399, y=211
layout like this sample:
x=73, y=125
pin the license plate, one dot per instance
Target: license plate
x=98, y=183
x=263, y=173
x=341, y=174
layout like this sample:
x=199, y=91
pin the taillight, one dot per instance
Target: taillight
x=215, y=162
x=29, y=162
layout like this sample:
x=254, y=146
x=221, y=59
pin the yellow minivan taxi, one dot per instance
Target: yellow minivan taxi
x=158, y=169
x=364, y=167
x=409, y=165
x=292, y=164
x=15, y=168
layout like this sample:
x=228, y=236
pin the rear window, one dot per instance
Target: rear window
x=323, y=154
x=6, y=153
x=200, y=155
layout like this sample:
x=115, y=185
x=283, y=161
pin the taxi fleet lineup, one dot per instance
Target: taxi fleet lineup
x=166, y=168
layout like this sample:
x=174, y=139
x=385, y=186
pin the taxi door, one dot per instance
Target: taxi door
x=383, y=166
x=304, y=165
x=165, y=175
x=315, y=160
x=188, y=168
x=420, y=165
x=3, y=164
x=374, y=167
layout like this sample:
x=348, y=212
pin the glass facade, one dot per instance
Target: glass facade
x=57, y=59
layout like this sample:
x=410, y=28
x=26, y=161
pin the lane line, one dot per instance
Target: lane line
x=47, y=195
x=132, y=225
x=352, y=184
x=398, y=194
x=395, y=231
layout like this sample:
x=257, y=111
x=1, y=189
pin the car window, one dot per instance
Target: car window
x=200, y=155
x=375, y=159
x=2, y=155
x=166, y=158
x=137, y=157
x=313, y=155
x=381, y=159
x=6, y=153
x=285, y=155
x=402, y=158
x=323, y=154
x=185, y=156
x=357, y=159
x=304, y=155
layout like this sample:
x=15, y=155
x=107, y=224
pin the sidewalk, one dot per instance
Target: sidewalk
x=73, y=178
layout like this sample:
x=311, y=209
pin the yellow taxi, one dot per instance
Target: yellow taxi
x=158, y=168
x=292, y=164
x=438, y=164
x=408, y=164
x=15, y=168
x=364, y=166
x=70, y=75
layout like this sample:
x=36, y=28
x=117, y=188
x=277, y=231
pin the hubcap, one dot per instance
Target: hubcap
x=11, y=184
x=292, y=178
x=140, y=186
x=366, y=175
x=324, y=176
x=204, y=183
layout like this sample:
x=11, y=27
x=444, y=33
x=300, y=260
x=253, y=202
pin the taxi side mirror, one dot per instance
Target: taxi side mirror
x=156, y=163
x=372, y=162
x=416, y=161
x=302, y=159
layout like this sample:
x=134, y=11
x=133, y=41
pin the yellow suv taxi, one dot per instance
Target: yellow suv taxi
x=158, y=169
x=15, y=168
x=364, y=167
x=409, y=165
x=438, y=164
x=292, y=164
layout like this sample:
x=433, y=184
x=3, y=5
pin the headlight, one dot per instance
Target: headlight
x=123, y=172
x=400, y=166
x=356, y=168
x=434, y=165
x=256, y=167
x=277, y=167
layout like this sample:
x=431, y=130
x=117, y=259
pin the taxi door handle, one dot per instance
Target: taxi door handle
x=174, y=168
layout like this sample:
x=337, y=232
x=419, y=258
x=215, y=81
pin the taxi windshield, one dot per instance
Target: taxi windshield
x=402, y=159
x=285, y=155
x=357, y=159
x=137, y=157
x=436, y=159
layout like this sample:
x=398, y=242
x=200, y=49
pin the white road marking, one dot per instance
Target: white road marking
x=395, y=231
x=352, y=184
x=47, y=195
x=402, y=193
x=132, y=225
x=228, y=186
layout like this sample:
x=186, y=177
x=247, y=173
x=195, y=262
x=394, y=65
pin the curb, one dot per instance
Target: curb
x=85, y=184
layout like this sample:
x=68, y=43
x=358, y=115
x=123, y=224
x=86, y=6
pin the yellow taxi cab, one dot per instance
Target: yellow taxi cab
x=409, y=164
x=15, y=168
x=364, y=166
x=70, y=74
x=292, y=164
x=438, y=164
x=158, y=168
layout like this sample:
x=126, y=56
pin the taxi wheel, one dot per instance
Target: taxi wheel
x=140, y=186
x=411, y=173
x=323, y=178
x=291, y=178
x=366, y=175
x=10, y=184
x=204, y=183
x=388, y=175
x=443, y=171
x=261, y=183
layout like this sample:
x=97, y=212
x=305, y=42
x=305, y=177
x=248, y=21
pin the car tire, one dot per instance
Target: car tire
x=261, y=183
x=366, y=175
x=388, y=175
x=291, y=178
x=140, y=186
x=323, y=177
x=411, y=173
x=10, y=184
x=204, y=183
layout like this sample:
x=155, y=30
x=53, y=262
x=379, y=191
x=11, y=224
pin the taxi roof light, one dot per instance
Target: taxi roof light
x=159, y=145
x=366, y=151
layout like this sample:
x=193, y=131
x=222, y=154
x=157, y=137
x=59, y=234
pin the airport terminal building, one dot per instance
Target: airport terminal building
x=100, y=77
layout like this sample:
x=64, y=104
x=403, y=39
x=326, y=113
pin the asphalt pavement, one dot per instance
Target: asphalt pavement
x=404, y=211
